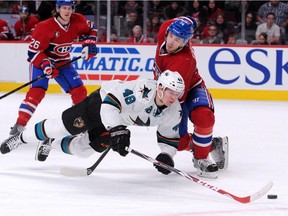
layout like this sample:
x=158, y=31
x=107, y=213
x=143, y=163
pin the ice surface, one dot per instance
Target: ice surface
x=258, y=134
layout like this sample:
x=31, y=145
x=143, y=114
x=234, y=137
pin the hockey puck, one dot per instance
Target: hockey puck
x=272, y=196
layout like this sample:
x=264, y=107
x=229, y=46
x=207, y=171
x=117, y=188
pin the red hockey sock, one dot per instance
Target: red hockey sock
x=28, y=106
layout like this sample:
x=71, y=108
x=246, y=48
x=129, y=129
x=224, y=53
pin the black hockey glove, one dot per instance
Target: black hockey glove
x=164, y=158
x=120, y=139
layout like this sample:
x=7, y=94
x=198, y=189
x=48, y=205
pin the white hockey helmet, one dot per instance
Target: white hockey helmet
x=172, y=80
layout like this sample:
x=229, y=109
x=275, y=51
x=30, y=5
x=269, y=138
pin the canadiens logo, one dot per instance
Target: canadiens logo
x=63, y=49
x=79, y=123
x=57, y=34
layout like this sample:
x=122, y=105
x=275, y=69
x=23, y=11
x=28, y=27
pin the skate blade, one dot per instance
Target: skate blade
x=226, y=152
x=210, y=175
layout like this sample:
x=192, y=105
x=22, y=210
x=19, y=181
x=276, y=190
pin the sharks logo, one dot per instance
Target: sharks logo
x=139, y=121
x=145, y=91
x=79, y=123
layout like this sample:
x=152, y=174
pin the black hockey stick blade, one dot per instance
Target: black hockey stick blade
x=246, y=199
x=73, y=172
x=36, y=79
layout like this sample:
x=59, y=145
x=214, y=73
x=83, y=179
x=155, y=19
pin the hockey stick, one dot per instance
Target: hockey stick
x=73, y=172
x=38, y=78
x=246, y=199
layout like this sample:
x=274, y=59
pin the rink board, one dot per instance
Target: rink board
x=230, y=72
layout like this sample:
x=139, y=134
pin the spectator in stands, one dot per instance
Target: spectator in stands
x=114, y=37
x=133, y=19
x=156, y=8
x=5, y=32
x=212, y=36
x=196, y=9
x=25, y=25
x=231, y=39
x=132, y=5
x=6, y=7
x=42, y=9
x=174, y=9
x=232, y=10
x=250, y=27
x=83, y=7
x=153, y=27
x=280, y=9
x=262, y=40
x=224, y=28
x=270, y=28
x=138, y=36
x=213, y=10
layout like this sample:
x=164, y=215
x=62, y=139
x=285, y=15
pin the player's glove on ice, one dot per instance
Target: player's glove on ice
x=89, y=49
x=166, y=159
x=48, y=69
x=120, y=139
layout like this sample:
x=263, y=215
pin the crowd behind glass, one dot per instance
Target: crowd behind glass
x=219, y=22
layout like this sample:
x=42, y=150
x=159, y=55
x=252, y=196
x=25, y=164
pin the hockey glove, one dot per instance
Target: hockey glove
x=120, y=139
x=166, y=159
x=89, y=49
x=48, y=69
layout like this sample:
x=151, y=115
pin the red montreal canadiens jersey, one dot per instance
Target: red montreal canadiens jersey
x=50, y=39
x=183, y=61
x=4, y=30
x=23, y=29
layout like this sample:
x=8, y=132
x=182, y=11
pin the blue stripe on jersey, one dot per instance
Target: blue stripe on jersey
x=112, y=100
x=170, y=142
x=39, y=131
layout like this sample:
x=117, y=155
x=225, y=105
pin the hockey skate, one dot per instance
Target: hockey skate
x=206, y=168
x=15, y=129
x=43, y=149
x=220, y=152
x=11, y=143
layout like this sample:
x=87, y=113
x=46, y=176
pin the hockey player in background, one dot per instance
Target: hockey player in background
x=49, y=49
x=5, y=32
x=25, y=25
x=174, y=52
x=104, y=116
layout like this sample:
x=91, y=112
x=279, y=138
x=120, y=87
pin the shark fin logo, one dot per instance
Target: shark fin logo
x=140, y=122
x=79, y=123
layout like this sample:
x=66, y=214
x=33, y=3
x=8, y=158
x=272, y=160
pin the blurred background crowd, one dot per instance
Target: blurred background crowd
x=219, y=22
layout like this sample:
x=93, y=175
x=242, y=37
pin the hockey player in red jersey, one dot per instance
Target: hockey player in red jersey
x=25, y=25
x=49, y=49
x=174, y=52
x=5, y=32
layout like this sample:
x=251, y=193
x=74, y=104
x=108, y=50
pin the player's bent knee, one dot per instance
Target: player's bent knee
x=35, y=95
x=78, y=94
x=203, y=117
